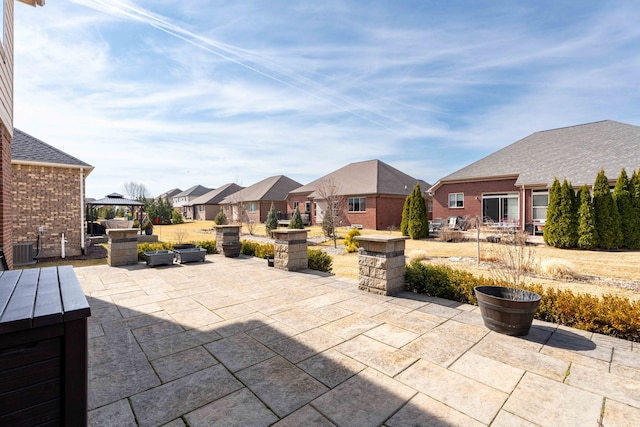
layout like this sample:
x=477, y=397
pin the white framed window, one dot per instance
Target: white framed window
x=252, y=207
x=296, y=205
x=540, y=203
x=201, y=208
x=357, y=204
x=456, y=200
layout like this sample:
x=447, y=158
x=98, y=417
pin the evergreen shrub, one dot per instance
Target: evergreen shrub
x=221, y=218
x=257, y=249
x=319, y=261
x=350, y=242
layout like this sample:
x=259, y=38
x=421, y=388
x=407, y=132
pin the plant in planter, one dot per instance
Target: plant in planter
x=509, y=309
x=147, y=227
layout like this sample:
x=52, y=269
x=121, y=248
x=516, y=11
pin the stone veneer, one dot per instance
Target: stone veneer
x=226, y=234
x=290, y=249
x=123, y=246
x=381, y=264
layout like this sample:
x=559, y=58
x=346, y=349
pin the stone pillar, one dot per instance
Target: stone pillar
x=381, y=264
x=226, y=234
x=290, y=249
x=123, y=246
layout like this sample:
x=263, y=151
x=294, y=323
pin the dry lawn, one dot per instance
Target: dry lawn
x=605, y=272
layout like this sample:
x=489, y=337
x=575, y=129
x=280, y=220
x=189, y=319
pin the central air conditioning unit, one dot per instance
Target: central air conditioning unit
x=23, y=254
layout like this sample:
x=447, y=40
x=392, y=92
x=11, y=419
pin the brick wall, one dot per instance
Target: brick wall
x=472, y=196
x=50, y=197
x=6, y=229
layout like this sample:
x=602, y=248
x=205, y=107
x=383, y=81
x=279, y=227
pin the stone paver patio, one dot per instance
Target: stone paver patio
x=233, y=342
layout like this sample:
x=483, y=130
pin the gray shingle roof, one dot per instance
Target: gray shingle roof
x=368, y=177
x=26, y=148
x=195, y=191
x=214, y=197
x=275, y=188
x=576, y=153
x=169, y=194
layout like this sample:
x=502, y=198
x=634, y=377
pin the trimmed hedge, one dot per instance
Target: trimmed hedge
x=609, y=315
x=209, y=245
x=257, y=249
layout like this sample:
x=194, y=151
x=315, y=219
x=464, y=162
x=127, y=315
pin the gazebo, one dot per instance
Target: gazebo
x=113, y=199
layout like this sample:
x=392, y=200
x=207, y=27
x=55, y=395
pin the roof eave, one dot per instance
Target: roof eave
x=87, y=168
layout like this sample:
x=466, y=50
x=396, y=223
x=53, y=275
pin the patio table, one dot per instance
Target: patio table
x=43, y=347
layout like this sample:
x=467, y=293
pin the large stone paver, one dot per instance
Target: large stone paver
x=233, y=342
x=281, y=385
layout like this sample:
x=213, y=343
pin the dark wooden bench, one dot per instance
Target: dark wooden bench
x=43, y=348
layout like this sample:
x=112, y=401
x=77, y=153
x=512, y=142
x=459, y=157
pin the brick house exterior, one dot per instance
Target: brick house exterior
x=207, y=206
x=511, y=185
x=6, y=126
x=370, y=193
x=256, y=199
x=48, y=191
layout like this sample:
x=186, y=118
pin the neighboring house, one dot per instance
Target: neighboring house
x=6, y=126
x=511, y=185
x=256, y=199
x=48, y=199
x=181, y=201
x=207, y=206
x=169, y=194
x=370, y=194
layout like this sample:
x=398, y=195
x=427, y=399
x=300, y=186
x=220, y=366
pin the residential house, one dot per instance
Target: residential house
x=511, y=185
x=181, y=201
x=47, y=200
x=6, y=126
x=256, y=199
x=370, y=194
x=169, y=194
x=207, y=206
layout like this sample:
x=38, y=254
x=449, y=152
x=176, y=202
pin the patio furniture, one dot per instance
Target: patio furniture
x=190, y=255
x=43, y=347
x=155, y=258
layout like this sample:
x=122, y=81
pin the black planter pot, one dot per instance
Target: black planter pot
x=148, y=231
x=270, y=261
x=506, y=310
x=231, y=249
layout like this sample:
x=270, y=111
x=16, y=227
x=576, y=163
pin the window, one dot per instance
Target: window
x=456, y=200
x=357, y=204
x=500, y=207
x=307, y=207
x=295, y=205
x=201, y=208
x=540, y=203
x=252, y=207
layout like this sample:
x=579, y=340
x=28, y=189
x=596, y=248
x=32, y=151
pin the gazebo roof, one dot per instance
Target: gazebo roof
x=115, y=199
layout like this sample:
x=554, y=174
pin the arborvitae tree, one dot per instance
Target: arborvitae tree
x=607, y=218
x=587, y=235
x=634, y=189
x=550, y=233
x=629, y=221
x=567, y=225
x=418, y=224
x=272, y=221
x=296, y=220
x=404, y=222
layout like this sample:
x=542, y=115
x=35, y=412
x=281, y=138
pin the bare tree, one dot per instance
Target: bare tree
x=136, y=191
x=512, y=260
x=331, y=201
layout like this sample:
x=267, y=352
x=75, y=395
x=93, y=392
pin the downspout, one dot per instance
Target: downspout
x=82, y=211
x=524, y=208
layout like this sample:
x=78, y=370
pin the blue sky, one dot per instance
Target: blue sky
x=172, y=93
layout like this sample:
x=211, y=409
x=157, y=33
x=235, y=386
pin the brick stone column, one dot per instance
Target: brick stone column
x=226, y=234
x=381, y=264
x=123, y=246
x=290, y=249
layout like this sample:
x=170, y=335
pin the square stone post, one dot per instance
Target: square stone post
x=123, y=246
x=381, y=264
x=290, y=249
x=226, y=234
